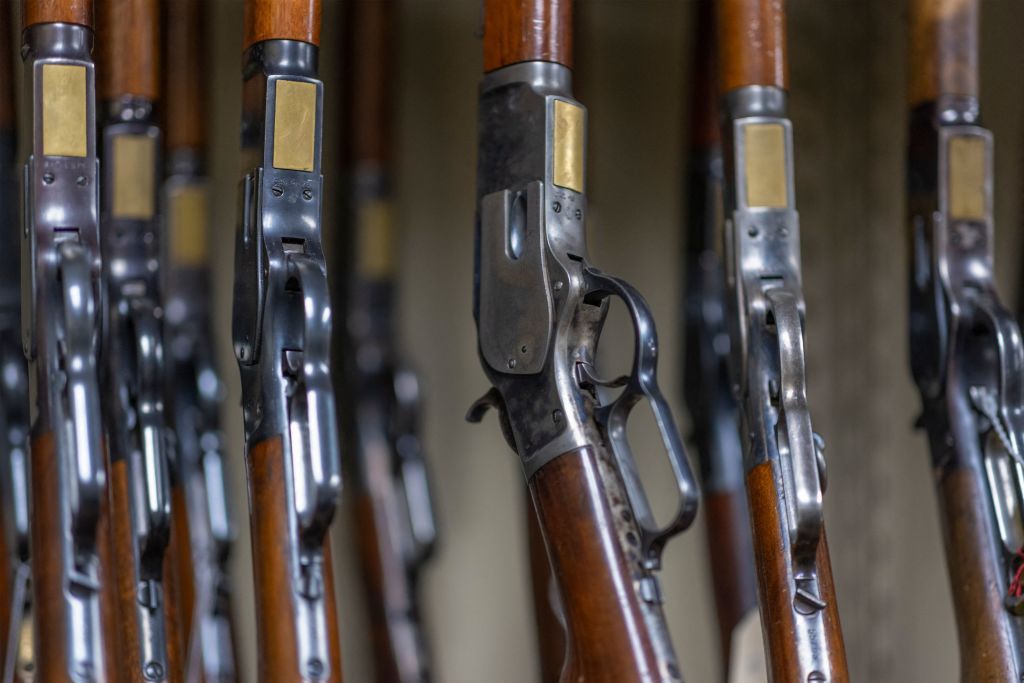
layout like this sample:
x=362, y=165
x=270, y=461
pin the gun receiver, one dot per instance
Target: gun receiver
x=281, y=330
x=966, y=352
x=60, y=324
x=785, y=468
x=706, y=382
x=539, y=308
x=15, y=603
x=202, y=527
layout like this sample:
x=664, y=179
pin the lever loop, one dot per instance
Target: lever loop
x=642, y=383
x=81, y=391
x=1008, y=410
x=411, y=468
x=311, y=414
x=154, y=524
x=798, y=451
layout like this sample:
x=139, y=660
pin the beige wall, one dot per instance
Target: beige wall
x=847, y=106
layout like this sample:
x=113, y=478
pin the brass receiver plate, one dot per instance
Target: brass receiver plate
x=134, y=191
x=568, y=146
x=967, y=195
x=64, y=111
x=765, y=165
x=375, y=255
x=186, y=222
x=294, y=125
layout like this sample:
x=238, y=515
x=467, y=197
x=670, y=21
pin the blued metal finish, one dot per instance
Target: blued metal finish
x=14, y=417
x=767, y=332
x=195, y=395
x=60, y=324
x=282, y=327
x=133, y=376
x=966, y=350
x=553, y=406
x=382, y=417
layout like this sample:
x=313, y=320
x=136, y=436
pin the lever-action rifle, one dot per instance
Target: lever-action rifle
x=965, y=347
x=785, y=470
x=706, y=383
x=15, y=605
x=539, y=307
x=133, y=368
x=202, y=532
x=61, y=326
x=281, y=330
x=391, y=496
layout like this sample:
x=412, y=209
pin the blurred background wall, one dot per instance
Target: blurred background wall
x=633, y=61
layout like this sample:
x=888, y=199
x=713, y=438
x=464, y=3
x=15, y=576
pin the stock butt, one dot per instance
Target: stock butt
x=752, y=44
x=943, y=57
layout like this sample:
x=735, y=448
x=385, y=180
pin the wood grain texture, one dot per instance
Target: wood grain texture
x=180, y=568
x=527, y=30
x=943, y=57
x=986, y=646
x=776, y=589
x=278, y=658
x=752, y=44
x=282, y=20
x=731, y=560
x=606, y=628
x=550, y=633
x=8, y=112
x=185, y=64
x=47, y=581
x=371, y=50
x=52, y=11
x=127, y=49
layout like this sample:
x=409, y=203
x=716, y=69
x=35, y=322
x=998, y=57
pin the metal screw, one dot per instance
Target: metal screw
x=578, y=214
x=556, y=415
x=511, y=363
x=752, y=231
x=522, y=348
x=48, y=178
x=307, y=193
x=153, y=671
x=558, y=285
x=315, y=668
x=557, y=207
x=81, y=181
x=277, y=189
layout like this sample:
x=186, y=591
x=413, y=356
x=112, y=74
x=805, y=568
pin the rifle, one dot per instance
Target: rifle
x=394, y=516
x=137, y=437
x=966, y=351
x=785, y=467
x=202, y=529
x=539, y=307
x=281, y=330
x=707, y=386
x=60, y=324
x=15, y=603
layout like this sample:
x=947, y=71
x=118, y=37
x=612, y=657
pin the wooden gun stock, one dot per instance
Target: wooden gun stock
x=185, y=55
x=370, y=66
x=776, y=592
x=274, y=574
x=127, y=50
x=550, y=632
x=49, y=616
x=943, y=49
x=583, y=515
x=53, y=11
x=527, y=30
x=985, y=643
x=282, y=20
x=745, y=60
x=729, y=556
